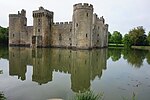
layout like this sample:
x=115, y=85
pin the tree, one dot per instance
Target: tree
x=137, y=36
x=3, y=35
x=116, y=37
x=109, y=37
x=148, y=38
x=127, y=41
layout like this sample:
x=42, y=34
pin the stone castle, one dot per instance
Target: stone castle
x=85, y=31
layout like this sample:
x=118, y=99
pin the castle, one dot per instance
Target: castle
x=85, y=31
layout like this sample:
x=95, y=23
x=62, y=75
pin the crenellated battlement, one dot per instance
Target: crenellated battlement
x=63, y=23
x=13, y=15
x=42, y=12
x=100, y=19
x=85, y=31
x=23, y=14
x=83, y=6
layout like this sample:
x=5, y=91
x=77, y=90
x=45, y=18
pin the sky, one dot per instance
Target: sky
x=121, y=15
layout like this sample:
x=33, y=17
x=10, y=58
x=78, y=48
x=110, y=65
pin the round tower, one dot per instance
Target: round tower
x=82, y=25
x=42, y=22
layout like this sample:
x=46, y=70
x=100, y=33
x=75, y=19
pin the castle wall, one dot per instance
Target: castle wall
x=86, y=30
x=14, y=29
x=61, y=34
x=82, y=26
x=42, y=23
x=18, y=34
x=100, y=31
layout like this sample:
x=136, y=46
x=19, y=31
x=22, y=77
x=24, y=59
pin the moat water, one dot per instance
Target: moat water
x=41, y=74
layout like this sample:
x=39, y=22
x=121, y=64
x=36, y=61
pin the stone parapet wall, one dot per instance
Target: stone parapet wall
x=61, y=35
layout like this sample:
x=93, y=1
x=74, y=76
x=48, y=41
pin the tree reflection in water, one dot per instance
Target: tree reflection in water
x=133, y=57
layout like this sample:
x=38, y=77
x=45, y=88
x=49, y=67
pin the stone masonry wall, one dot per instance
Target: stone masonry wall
x=86, y=30
x=82, y=25
x=61, y=35
x=100, y=31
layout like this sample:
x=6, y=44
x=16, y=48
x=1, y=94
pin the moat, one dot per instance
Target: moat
x=44, y=73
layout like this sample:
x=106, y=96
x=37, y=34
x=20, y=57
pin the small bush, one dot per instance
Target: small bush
x=88, y=95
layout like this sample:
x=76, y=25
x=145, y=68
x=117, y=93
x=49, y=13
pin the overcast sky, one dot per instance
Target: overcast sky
x=121, y=15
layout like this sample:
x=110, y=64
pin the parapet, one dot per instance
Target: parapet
x=42, y=12
x=22, y=14
x=13, y=15
x=63, y=23
x=83, y=6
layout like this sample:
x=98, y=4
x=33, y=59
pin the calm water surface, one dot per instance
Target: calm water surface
x=41, y=74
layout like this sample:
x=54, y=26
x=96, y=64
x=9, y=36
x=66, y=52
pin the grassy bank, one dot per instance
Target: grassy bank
x=115, y=45
x=141, y=47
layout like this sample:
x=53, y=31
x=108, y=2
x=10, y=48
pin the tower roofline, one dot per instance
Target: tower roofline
x=83, y=6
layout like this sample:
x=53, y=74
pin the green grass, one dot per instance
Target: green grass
x=115, y=45
x=141, y=47
x=88, y=95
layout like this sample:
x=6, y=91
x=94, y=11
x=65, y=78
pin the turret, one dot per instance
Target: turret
x=42, y=22
x=82, y=26
x=17, y=28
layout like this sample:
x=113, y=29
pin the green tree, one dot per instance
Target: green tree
x=137, y=36
x=2, y=97
x=3, y=35
x=116, y=37
x=127, y=41
x=148, y=38
x=109, y=37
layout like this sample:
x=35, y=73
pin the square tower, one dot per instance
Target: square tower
x=42, y=23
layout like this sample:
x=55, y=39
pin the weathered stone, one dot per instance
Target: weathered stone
x=86, y=30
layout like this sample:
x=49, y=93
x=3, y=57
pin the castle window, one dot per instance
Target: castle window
x=76, y=24
x=60, y=37
x=38, y=30
x=87, y=14
x=97, y=34
x=13, y=35
x=39, y=21
x=98, y=27
x=86, y=35
x=97, y=40
x=69, y=38
x=70, y=30
x=70, y=44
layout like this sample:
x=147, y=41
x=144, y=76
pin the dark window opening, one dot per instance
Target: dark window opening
x=69, y=38
x=39, y=21
x=97, y=34
x=97, y=40
x=98, y=27
x=86, y=36
x=60, y=37
x=76, y=24
x=70, y=44
x=70, y=30
x=38, y=30
x=87, y=14
x=13, y=35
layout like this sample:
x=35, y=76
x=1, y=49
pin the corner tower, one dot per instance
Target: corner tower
x=42, y=23
x=82, y=26
x=18, y=29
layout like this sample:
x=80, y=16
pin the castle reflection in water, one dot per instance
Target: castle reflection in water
x=83, y=65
